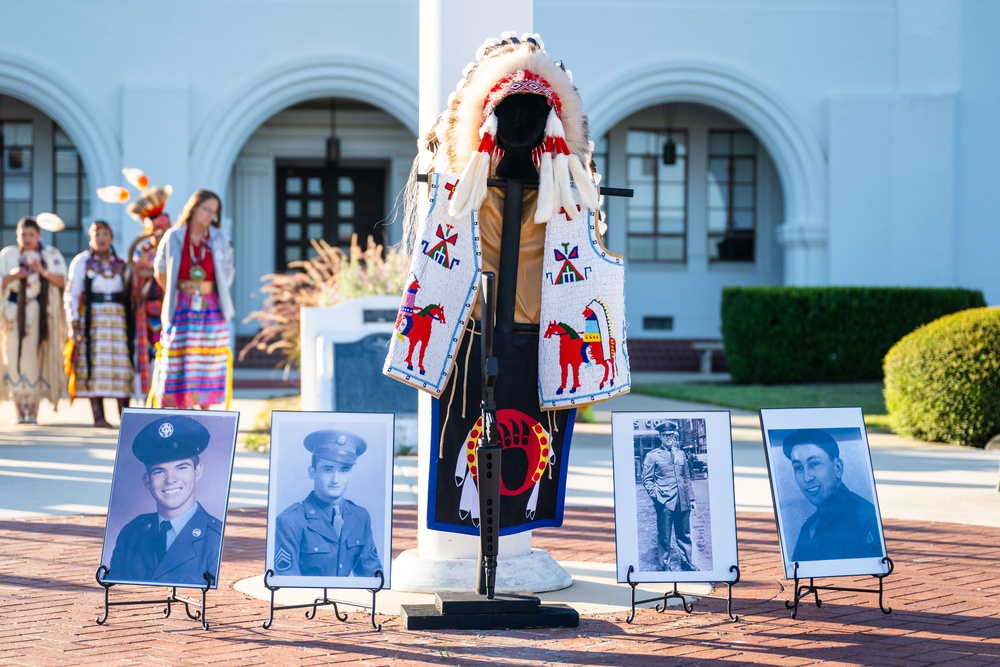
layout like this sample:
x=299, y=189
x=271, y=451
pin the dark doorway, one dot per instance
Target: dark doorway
x=326, y=202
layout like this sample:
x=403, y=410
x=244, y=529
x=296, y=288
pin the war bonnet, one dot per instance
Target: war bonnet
x=463, y=140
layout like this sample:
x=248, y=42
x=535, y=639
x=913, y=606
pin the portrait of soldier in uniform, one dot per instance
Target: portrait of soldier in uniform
x=843, y=525
x=325, y=534
x=666, y=477
x=675, y=506
x=181, y=541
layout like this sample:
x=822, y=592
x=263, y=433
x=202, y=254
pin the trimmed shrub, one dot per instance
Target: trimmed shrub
x=942, y=382
x=825, y=334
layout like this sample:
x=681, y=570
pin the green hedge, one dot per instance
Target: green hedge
x=942, y=382
x=778, y=335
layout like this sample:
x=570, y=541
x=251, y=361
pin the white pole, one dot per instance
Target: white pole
x=450, y=33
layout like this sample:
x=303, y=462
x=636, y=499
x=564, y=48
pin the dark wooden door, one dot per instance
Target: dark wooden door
x=331, y=203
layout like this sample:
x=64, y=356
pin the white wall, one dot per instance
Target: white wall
x=879, y=114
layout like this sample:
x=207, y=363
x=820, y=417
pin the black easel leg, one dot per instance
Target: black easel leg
x=812, y=588
x=170, y=599
x=881, y=590
x=628, y=578
x=209, y=579
x=675, y=594
x=267, y=584
x=730, y=584
x=101, y=571
x=374, y=592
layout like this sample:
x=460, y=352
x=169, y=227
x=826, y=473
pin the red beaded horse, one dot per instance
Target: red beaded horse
x=574, y=351
x=420, y=332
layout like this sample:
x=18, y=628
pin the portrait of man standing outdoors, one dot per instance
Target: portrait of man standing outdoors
x=182, y=467
x=666, y=477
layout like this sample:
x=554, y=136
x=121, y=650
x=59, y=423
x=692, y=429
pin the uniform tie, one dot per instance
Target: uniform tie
x=161, y=540
x=338, y=521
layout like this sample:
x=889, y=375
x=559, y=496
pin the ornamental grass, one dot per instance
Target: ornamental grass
x=331, y=277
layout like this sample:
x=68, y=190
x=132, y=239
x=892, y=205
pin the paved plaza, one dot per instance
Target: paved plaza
x=940, y=508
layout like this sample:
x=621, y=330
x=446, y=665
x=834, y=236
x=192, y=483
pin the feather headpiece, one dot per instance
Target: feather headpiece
x=463, y=140
x=147, y=205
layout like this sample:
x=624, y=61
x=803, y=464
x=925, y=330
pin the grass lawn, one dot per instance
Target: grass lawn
x=867, y=395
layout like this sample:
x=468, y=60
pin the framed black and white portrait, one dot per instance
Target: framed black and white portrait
x=823, y=488
x=675, y=513
x=169, y=495
x=329, y=499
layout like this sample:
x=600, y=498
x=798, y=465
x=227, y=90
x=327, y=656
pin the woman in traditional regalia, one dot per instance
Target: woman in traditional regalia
x=147, y=295
x=32, y=329
x=97, y=310
x=194, y=266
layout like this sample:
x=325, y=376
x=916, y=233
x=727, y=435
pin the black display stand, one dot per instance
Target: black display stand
x=674, y=594
x=802, y=591
x=173, y=598
x=324, y=601
x=469, y=611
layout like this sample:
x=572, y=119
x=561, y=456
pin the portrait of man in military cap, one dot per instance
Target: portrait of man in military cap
x=666, y=477
x=169, y=454
x=675, y=511
x=824, y=493
x=329, y=532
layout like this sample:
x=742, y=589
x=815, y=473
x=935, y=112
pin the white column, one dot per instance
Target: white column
x=252, y=213
x=450, y=33
x=805, y=249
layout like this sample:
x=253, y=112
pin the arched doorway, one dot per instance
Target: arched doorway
x=287, y=188
x=41, y=169
x=705, y=212
x=706, y=190
x=64, y=120
x=776, y=123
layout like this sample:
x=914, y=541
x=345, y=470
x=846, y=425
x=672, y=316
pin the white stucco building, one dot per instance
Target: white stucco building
x=817, y=142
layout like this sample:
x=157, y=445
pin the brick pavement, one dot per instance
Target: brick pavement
x=945, y=596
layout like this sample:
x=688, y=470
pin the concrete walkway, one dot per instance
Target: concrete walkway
x=64, y=466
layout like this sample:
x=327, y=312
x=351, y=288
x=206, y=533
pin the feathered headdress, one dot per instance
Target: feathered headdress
x=463, y=140
x=148, y=204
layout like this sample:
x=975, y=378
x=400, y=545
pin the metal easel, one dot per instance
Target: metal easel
x=324, y=601
x=172, y=599
x=802, y=591
x=675, y=594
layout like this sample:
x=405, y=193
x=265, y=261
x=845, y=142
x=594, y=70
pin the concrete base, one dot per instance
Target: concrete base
x=534, y=572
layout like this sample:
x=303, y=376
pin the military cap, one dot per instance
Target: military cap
x=334, y=445
x=667, y=427
x=170, y=439
x=811, y=436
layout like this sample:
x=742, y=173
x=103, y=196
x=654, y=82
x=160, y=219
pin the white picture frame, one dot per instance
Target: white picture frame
x=706, y=437
x=136, y=505
x=292, y=483
x=852, y=535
